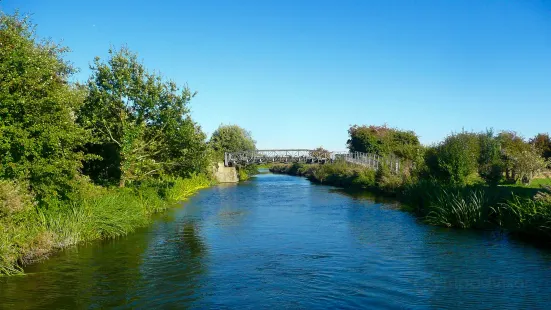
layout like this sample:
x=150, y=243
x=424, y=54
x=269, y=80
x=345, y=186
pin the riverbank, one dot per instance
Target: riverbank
x=525, y=212
x=318, y=246
x=29, y=234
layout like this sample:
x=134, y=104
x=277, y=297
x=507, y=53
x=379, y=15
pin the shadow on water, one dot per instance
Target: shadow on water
x=362, y=194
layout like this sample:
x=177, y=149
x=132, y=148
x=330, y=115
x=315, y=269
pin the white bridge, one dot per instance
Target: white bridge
x=307, y=156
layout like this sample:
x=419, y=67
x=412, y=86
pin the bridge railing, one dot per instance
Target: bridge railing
x=372, y=161
x=269, y=156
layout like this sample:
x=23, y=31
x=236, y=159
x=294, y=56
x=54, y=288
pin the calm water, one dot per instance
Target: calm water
x=281, y=242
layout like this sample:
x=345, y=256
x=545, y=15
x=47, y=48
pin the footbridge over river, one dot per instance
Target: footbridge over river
x=308, y=156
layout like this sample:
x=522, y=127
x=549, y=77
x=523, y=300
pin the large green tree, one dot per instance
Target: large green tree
x=140, y=122
x=39, y=138
x=231, y=138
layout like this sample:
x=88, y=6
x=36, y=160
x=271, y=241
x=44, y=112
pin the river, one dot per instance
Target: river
x=279, y=241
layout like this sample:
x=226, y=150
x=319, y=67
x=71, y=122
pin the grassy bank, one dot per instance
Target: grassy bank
x=519, y=210
x=29, y=233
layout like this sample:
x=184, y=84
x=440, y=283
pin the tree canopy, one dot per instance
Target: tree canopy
x=542, y=143
x=140, y=122
x=231, y=138
x=40, y=142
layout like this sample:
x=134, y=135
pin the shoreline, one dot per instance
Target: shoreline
x=415, y=198
x=105, y=214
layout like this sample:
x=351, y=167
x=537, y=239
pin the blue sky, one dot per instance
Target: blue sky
x=298, y=73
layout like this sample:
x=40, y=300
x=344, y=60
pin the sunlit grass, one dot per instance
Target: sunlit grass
x=100, y=214
x=527, y=216
x=457, y=209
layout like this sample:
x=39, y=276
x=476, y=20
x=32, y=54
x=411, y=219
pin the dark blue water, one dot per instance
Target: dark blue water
x=280, y=242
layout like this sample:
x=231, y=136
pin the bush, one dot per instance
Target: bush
x=365, y=179
x=242, y=175
x=14, y=198
x=455, y=160
x=383, y=140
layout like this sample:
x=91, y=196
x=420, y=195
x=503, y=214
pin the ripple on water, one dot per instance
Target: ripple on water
x=280, y=242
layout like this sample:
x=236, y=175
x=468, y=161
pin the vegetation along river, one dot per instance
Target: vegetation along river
x=279, y=241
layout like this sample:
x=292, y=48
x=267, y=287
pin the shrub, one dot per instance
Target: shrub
x=365, y=178
x=383, y=140
x=455, y=159
x=242, y=175
x=14, y=198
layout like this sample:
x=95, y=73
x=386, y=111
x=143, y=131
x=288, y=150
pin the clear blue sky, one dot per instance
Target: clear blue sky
x=298, y=73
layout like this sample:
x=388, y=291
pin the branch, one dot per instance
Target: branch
x=111, y=135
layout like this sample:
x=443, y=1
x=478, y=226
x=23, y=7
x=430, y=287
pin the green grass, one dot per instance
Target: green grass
x=541, y=182
x=458, y=209
x=100, y=214
x=529, y=217
x=535, y=183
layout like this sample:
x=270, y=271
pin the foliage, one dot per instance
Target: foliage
x=383, y=140
x=525, y=216
x=320, y=152
x=140, y=122
x=527, y=164
x=101, y=213
x=490, y=165
x=231, y=138
x=455, y=159
x=242, y=175
x=39, y=139
x=386, y=180
x=542, y=143
x=14, y=198
x=511, y=145
x=180, y=189
x=458, y=209
x=338, y=174
x=127, y=124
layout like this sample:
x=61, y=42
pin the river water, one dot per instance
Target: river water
x=279, y=241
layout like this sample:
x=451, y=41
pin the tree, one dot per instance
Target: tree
x=542, y=143
x=490, y=164
x=140, y=122
x=512, y=146
x=231, y=138
x=455, y=159
x=527, y=164
x=39, y=138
